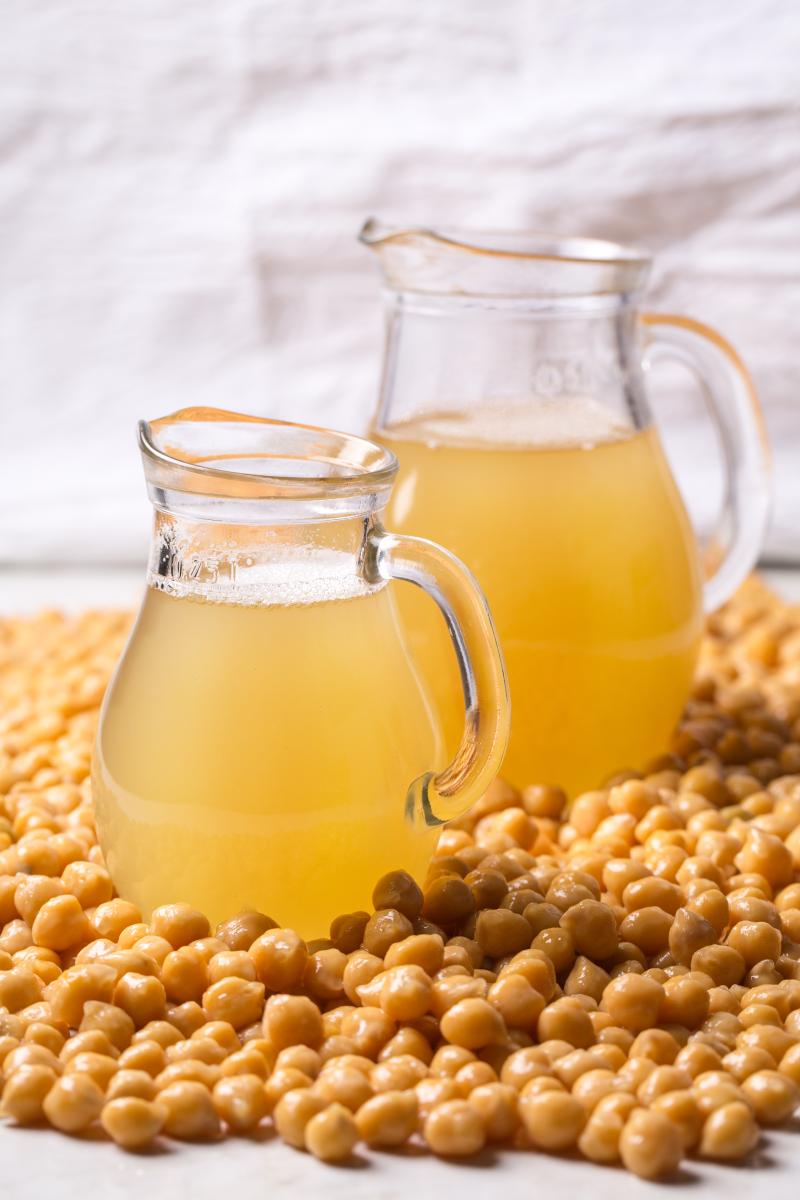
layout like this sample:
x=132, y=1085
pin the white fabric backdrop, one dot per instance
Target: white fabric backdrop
x=181, y=185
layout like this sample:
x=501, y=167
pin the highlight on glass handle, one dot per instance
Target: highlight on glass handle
x=734, y=408
x=435, y=798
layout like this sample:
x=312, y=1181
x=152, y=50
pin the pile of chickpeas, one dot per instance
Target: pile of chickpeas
x=618, y=977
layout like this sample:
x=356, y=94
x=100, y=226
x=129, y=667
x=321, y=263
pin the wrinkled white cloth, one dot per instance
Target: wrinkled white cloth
x=181, y=186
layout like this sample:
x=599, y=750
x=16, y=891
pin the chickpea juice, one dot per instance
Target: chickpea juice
x=576, y=532
x=259, y=754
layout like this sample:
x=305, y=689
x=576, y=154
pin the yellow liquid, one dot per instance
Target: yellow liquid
x=259, y=756
x=587, y=558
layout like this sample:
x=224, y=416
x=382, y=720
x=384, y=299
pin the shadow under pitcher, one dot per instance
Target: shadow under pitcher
x=266, y=741
x=514, y=397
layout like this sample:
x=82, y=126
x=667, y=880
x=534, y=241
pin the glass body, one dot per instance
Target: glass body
x=266, y=741
x=514, y=397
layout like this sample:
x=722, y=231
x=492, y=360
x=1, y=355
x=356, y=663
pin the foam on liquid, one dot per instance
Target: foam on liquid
x=519, y=423
x=300, y=577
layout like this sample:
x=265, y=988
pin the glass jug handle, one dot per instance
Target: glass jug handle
x=435, y=798
x=733, y=405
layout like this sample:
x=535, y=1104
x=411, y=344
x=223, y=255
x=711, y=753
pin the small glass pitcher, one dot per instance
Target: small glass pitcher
x=514, y=396
x=266, y=741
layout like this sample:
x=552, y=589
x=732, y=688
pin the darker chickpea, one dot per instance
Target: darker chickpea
x=239, y=932
x=384, y=928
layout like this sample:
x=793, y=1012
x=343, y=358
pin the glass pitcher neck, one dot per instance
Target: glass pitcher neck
x=253, y=511
x=259, y=565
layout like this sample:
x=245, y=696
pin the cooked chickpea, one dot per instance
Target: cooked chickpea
x=729, y=1133
x=190, y=1112
x=240, y=931
x=292, y=1021
x=343, y=1085
x=279, y=957
x=773, y=1095
x=472, y=1023
x=331, y=1134
x=388, y=1119
x=651, y=1145
x=147, y=1055
x=634, y=1001
x=755, y=941
x=99, y=1067
x=25, y=1092
x=185, y=974
x=240, y=1101
x=454, y=1129
x=73, y=1103
x=553, y=1120
x=132, y=1122
x=236, y=1000
x=128, y=1082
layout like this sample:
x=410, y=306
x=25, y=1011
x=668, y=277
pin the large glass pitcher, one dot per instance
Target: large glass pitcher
x=514, y=396
x=266, y=741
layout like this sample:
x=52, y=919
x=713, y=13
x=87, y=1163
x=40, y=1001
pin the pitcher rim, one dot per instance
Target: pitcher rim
x=353, y=478
x=551, y=247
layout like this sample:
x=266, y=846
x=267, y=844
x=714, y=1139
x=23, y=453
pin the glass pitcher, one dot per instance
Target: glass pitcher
x=514, y=396
x=266, y=741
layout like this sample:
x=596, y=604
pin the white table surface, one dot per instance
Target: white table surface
x=41, y=1165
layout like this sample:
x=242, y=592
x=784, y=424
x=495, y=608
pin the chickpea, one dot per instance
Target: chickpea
x=240, y=1101
x=292, y=1113
x=388, y=1119
x=19, y=987
x=25, y=1092
x=343, y=1085
x=553, y=1120
x=31, y=893
x=127, y=1082
x=398, y=891
x=454, y=1129
x=185, y=975
x=755, y=941
x=110, y=1020
x=402, y=1072
x=132, y=1122
x=729, y=1132
x=537, y=968
x=190, y=1111
x=99, y=1067
x=291, y=1021
x=593, y=928
x=234, y=999
x=113, y=916
x=388, y=926
x=202, y=1049
x=279, y=957
x=369, y=1028
x=648, y=928
x=89, y=883
x=650, y=1145
x=773, y=1095
x=73, y=1103
x=634, y=1001
x=586, y=979
x=501, y=932
x=472, y=1023
x=405, y=992
x=239, y=932
x=331, y=1135
x=45, y=1035
x=284, y=1080
x=407, y=1040
x=142, y=997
